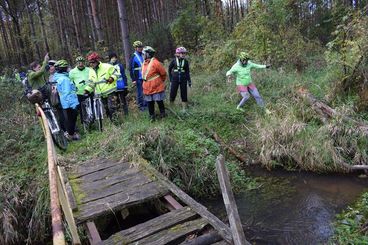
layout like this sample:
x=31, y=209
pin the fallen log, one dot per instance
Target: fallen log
x=326, y=112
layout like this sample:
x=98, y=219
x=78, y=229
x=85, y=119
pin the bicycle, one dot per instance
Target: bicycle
x=92, y=111
x=56, y=132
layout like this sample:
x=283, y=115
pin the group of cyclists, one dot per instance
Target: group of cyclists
x=71, y=87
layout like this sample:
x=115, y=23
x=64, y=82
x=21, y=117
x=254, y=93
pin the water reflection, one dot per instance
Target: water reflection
x=293, y=208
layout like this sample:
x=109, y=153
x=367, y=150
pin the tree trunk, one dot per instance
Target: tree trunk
x=90, y=17
x=44, y=36
x=75, y=23
x=124, y=29
x=4, y=32
x=96, y=21
x=33, y=32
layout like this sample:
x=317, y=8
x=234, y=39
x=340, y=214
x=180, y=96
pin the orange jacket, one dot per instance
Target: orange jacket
x=154, y=80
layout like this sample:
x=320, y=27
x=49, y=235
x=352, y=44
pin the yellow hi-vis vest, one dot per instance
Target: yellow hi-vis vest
x=98, y=79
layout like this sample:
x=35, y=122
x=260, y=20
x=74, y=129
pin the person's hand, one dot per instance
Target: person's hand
x=190, y=85
x=134, y=82
x=229, y=79
x=110, y=80
x=268, y=66
x=47, y=57
x=86, y=92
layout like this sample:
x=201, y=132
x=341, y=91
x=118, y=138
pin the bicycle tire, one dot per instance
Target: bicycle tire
x=60, y=140
x=58, y=137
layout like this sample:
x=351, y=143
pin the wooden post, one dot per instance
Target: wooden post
x=229, y=200
x=56, y=220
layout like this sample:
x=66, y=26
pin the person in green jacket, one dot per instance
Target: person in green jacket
x=37, y=80
x=242, y=71
x=37, y=74
x=79, y=76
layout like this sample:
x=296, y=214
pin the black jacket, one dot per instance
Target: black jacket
x=179, y=71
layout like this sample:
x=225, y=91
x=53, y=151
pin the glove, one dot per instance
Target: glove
x=268, y=66
x=190, y=84
x=110, y=80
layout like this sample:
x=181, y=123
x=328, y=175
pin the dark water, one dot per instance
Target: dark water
x=293, y=208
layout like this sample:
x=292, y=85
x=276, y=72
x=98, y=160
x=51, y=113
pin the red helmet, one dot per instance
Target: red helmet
x=93, y=57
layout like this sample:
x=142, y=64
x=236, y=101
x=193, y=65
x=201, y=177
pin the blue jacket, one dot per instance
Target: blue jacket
x=122, y=81
x=135, y=68
x=67, y=90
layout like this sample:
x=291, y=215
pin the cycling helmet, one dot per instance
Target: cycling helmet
x=243, y=56
x=52, y=62
x=61, y=64
x=93, y=57
x=181, y=50
x=137, y=44
x=149, y=49
x=80, y=59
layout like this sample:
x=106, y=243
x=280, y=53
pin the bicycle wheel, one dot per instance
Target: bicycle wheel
x=60, y=140
x=56, y=133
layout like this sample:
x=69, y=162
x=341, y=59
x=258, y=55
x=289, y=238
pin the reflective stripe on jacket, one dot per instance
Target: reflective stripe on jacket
x=98, y=77
x=179, y=71
x=154, y=75
x=135, y=68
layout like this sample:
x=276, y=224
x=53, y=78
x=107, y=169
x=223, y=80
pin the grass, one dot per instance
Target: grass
x=181, y=146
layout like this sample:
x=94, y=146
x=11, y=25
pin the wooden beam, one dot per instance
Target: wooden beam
x=172, y=204
x=67, y=189
x=230, y=204
x=223, y=230
x=92, y=233
x=68, y=213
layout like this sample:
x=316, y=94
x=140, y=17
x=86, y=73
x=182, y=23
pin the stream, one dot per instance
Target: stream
x=292, y=207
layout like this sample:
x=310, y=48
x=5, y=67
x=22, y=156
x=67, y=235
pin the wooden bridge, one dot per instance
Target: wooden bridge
x=103, y=188
x=119, y=202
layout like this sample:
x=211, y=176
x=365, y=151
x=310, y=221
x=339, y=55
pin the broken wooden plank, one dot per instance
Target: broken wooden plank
x=174, y=233
x=92, y=233
x=205, y=239
x=230, y=204
x=112, y=203
x=223, y=230
x=150, y=227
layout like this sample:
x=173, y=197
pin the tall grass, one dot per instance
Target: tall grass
x=23, y=174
